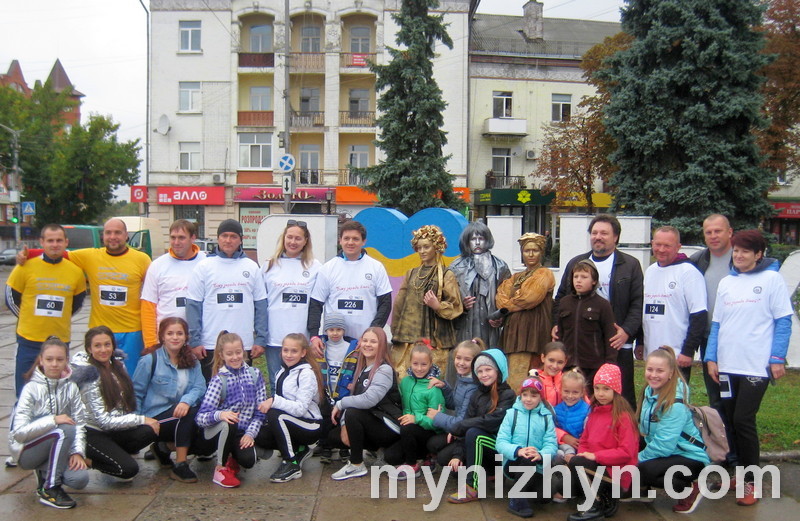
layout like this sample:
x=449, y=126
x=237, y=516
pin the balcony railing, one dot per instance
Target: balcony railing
x=256, y=59
x=360, y=60
x=359, y=118
x=308, y=177
x=498, y=180
x=308, y=119
x=307, y=62
x=349, y=178
x=256, y=118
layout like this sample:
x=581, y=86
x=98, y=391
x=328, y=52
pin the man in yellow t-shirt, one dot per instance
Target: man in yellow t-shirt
x=44, y=294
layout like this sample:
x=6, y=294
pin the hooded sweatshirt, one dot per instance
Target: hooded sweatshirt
x=527, y=428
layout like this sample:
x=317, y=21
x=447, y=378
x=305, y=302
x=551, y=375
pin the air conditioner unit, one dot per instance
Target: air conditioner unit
x=530, y=154
x=218, y=179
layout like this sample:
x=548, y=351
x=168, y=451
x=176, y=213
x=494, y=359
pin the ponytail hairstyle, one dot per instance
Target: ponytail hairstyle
x=223, y=338
x=186, y=359
x=474, y=346
x=37, y=364
x=667, y=394
x=424, y=346
x=310, y=359
x=116, y=387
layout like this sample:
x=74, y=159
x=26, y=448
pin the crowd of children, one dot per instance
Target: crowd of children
x=570, y=412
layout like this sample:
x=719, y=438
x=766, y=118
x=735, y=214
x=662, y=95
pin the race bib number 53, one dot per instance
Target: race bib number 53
x=113, y=295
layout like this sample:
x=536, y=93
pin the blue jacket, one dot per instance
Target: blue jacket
x=534, y=428
x=572, y=418
x=662, y=429
x=456, y=400
x=160, y=393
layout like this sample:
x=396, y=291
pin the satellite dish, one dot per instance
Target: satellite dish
x=163, y=125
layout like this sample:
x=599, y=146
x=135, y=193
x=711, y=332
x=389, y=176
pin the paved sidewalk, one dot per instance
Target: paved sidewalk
x=153, y=496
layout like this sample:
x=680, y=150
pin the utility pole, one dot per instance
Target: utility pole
x=287, y=101
x=15, y=181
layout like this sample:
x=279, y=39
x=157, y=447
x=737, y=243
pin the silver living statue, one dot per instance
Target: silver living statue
x=479, y=274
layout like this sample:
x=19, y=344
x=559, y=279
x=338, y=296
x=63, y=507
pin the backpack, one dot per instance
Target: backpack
x=223, y=378
x=713, y=438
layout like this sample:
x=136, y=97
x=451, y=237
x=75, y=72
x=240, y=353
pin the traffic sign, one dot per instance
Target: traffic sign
x=28, y=208
x=286, y=163
x=287, y=184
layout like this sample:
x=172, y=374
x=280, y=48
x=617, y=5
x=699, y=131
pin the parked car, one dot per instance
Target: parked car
x=8, y=257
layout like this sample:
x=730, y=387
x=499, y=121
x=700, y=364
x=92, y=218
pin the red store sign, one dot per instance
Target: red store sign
x=787, y=210
x=138, y=194
x=179, y=195
x=253, y=194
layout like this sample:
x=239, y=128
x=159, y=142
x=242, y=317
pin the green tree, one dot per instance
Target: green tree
x=70, y=173
x=414, y=174
x=684, y=103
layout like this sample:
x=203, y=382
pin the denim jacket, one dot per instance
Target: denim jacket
x=160, y=393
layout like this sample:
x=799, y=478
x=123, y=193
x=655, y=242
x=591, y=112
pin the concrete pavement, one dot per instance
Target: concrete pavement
x=153, y=496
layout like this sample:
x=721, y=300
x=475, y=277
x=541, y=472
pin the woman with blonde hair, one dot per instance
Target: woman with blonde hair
x=427, y=302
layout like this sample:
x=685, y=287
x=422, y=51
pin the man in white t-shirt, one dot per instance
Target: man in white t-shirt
x=167, y=281
x=353, y=284
x=714, y=263
x=675, y=306
x=226, y=292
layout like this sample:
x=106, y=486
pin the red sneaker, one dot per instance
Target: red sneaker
x=224, y=477
x=690, y=502
x=749, y=498
x=233, y=465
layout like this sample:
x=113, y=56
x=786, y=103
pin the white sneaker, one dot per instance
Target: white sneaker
x=350, y=471
x=11, y=462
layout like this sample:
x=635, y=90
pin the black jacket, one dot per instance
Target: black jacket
x=626, y=291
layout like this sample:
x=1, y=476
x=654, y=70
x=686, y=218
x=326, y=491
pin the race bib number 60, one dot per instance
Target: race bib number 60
x=49, y=306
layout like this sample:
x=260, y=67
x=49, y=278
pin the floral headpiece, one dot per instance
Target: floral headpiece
x=431, y=233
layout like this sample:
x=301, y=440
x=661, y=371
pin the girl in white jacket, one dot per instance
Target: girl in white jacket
x=293, y=413
x=47, y=432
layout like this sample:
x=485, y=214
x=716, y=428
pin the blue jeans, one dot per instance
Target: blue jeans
x=132, y=344
x=27, y=351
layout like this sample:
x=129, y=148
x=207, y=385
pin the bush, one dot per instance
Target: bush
x=780, y=251
x=554, y=255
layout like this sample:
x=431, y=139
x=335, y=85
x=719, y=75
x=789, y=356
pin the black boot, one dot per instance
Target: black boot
x=610, y=505
x=593, y=514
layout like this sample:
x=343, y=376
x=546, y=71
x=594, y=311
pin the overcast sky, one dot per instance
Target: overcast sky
x=103, y=46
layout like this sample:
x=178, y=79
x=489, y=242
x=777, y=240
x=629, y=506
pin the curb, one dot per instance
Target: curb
x=786, y=455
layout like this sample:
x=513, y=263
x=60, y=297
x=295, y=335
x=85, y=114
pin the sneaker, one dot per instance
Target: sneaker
x=350, y=471
x=225, y=477
x=181, y=472
x=55, y=497
x=557, y=498
x=302, y=454
x=403, y=472
x=690, y=502
x=627, y=496
x=233, y=465
x=287, y=471
x=149, y=456
x=520, y=507
x=206, y=457
x=11, y=463
x=40, y=477
x=318, y=450
x=162, y=453
x=749, y=498
x=325, y=455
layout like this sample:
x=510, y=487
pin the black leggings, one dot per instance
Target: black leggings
x=110, y=451
x=411, y=446
x=534, y=484
x=229, y=444
x=180, y=430
x=651, y=472
x=740, y=413
x=286, y=433
x=365, y=431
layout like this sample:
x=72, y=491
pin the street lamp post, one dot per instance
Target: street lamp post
x=329, y=198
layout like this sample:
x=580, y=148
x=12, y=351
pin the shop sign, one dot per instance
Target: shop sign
x=184, y=195
x=258, y=194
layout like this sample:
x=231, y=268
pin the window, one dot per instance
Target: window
x=501, y=161
x=309, y=99
x=310, y=38
x=255, y=150
x=562, y=107
x=192, y=213
x=501, y=104
x=189, y=155
x=189, y=96
x=781, y=178
x=359, y=40
x=190, y=36
x=260, y=98
x=309, y=164
x=359, y=102
x=358, y=156
x=261, y=38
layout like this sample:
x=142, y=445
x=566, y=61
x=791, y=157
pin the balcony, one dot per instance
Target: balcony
x=356, y=60
x=352, y=118
x=505, y=127
x=308, y=119
x=308, y=177
x=498, y=180
x=256, y=118
x=349, y=178
x=256, y=59
x=307, y=62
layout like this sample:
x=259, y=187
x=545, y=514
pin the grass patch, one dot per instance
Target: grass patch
x=778, y=418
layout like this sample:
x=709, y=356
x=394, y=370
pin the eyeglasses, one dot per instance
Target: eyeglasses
x=301, y=224
x=532, y=382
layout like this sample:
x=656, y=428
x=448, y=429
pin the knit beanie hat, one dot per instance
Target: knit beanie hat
x=332, y=320
x=230, y=225
x=482, y=360
x=610, y=375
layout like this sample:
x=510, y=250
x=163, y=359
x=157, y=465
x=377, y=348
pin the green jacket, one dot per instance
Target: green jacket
x=417, y=398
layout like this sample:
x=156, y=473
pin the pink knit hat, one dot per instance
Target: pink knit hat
x=610, y=375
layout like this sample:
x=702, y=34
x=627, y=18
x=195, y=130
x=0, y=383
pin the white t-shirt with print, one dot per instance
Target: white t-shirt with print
x=289, y=285
x=167, y=284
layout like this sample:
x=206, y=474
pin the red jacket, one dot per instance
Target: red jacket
x=615, y=447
